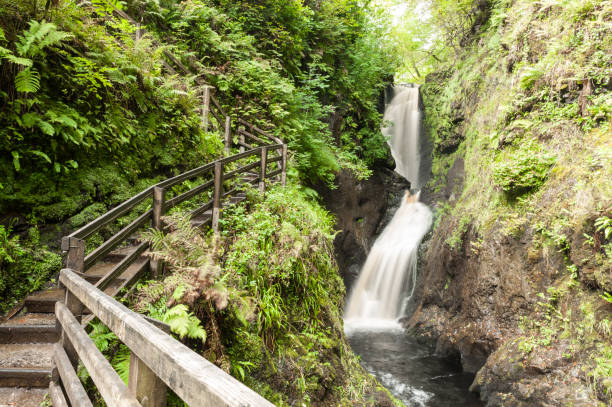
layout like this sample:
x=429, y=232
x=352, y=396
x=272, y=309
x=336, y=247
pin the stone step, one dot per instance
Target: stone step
x=44, y=301
x=26, y=356
x=25, y=377
x=21, y=397
x=20, y=334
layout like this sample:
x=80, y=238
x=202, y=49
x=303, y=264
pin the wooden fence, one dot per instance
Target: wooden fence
x=158, y=362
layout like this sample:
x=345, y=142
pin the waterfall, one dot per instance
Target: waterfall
x=388, y=277
x=387, y=280
x=403, y=130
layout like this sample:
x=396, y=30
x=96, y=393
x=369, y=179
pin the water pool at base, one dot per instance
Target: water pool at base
x=411, y=371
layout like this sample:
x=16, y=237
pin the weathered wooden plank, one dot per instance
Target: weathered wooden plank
x=149, y=390
x=159, y=200
x=228, y=134
x=241, y=170
x=205, y=106
x=189, y=194
x=121, y=266
x=116, y=239
x=252, y=136
x=202, y=209
x=73, y=386
x=75, y=259
x=57, y=396
x=216, y=104
x=262, y=169
x=194, y=379
x=239, y=156
x=245, y=145
x=217, y=195
x=284, y=166
x=111, y=215
x=274, y=173
x=275, y=159
x=185, y=176
x=111, y=387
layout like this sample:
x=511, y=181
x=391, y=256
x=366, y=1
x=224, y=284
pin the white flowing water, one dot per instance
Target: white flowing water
x=387, y=279
x=403, y=119
x=410, y=370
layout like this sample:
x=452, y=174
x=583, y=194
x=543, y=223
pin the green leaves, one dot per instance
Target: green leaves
x=604, y=225
x=523, y=170
x=38, y=37
x=27, y=81
x=184, y=323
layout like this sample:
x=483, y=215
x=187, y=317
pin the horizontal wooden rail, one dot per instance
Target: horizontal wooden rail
x=111, y=215
x=216, y=104
x=71, y=382
x=121, y=266
x=111, y=387
x=194, y=379
x=170, y=182
x=114, y=241
x=171, y=203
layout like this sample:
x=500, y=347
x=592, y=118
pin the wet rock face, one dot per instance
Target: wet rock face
x=362, y=209
x=547, y=377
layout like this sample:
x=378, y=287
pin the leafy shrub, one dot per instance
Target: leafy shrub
x=23, y=268
x=523, y=170
x=268, y=294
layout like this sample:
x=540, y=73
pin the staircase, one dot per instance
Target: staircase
x=28, y=340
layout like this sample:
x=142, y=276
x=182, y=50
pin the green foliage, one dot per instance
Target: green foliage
x=604, y=225
x=523, y=170
x=183, y=323
x=81, y=97
x=24, y=267
x=268, y=293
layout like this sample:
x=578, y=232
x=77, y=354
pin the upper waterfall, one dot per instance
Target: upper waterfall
x=403, y=130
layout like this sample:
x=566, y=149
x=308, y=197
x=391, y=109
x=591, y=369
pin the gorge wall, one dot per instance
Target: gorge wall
x=515, y=276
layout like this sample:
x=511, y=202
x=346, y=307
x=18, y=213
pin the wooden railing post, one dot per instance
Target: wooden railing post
x=205, y=106
x=284, y=166
x=148, y=389
x=159, y=200
x=242, y=140
x=228, y=134
x=75, y=259
x=262, y=169
x=218, y=193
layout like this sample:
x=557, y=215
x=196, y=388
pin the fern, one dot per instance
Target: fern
x=121, y=363
x=38, y=37
x=184, y=323
x=27, y=81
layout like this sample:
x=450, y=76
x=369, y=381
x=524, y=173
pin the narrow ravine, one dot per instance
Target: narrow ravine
x=377, y=301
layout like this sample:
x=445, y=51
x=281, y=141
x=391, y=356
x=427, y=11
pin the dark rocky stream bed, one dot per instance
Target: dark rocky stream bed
x=411, y=371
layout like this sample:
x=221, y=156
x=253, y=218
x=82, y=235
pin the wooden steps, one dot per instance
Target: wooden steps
x=20, y=397
x=26, y=365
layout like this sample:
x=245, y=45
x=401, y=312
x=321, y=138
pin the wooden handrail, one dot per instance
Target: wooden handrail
x=194, y=379
x=111, y=387
x=156, y=357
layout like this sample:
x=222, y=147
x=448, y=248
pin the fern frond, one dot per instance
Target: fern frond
x=27, y=81
x=27, y=62
x=121, y=363
x=38, y=37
